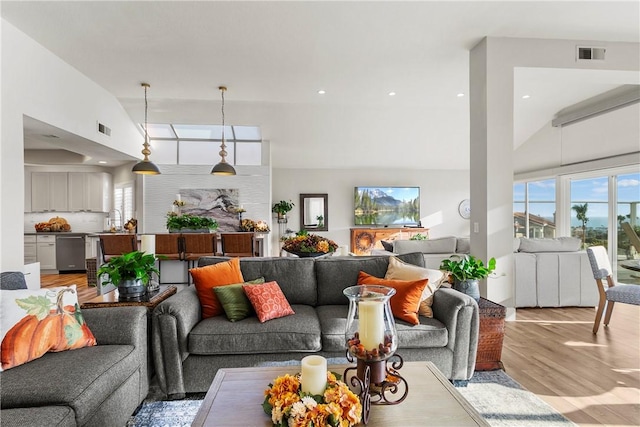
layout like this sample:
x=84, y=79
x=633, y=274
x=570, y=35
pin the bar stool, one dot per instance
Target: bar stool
x=196, y=245
x=112, y=245
x=240, y=244
x=168, y=248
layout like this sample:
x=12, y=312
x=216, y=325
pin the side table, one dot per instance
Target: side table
x=110, y=299
x=491, y=335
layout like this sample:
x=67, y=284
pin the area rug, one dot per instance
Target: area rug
x=498, y=397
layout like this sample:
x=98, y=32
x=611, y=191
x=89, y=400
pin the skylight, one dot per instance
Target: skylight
x=181, y=144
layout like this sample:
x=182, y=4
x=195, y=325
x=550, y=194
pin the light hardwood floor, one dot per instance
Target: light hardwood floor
x=591, y=379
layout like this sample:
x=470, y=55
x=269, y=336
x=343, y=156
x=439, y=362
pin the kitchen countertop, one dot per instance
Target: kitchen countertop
x=57, y=233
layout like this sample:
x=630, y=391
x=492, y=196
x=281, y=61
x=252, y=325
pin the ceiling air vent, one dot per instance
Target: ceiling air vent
x=103, y=129
x=585, y=53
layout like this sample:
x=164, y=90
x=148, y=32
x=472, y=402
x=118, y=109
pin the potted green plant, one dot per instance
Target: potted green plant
x=466, y=270
x=190, y=223
x=281, y=208
x=130, y=272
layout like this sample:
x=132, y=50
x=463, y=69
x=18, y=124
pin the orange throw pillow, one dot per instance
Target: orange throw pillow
x=406, y=302
x=207, y=278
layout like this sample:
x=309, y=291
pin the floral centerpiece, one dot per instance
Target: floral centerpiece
x=288, y=406
x=305, y=244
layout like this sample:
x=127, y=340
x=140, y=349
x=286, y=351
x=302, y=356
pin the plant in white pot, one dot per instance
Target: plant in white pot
x=282, y=208
x=466, y=270
x=130, y=272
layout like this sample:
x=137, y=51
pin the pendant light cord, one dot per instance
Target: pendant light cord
x=146, y=107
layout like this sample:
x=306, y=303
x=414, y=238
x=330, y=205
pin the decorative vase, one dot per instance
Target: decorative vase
x=308, y=254
x=189, y=230
x=469, y=287
x=131, y=288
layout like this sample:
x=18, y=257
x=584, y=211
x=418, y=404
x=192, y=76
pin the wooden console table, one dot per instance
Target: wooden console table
x=491, y=335
x=363, y=240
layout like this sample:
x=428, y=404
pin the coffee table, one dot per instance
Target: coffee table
x=236, y=395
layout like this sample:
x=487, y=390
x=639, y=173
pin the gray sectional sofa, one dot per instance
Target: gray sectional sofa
x=188, y=350
x=93, y=386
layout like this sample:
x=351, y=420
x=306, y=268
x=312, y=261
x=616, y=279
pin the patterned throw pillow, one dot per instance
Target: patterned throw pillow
x=235, y=303
x=36, y=321
x=406, y=301
x=268, y=301
x=399, y=270
x=206, y=278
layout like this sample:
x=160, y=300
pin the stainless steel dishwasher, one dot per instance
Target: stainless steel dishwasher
x=70, y=253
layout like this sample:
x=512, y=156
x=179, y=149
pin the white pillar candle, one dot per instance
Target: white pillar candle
x=178, y=198
x=148, y=243
x=371, y=325
x=314, y=375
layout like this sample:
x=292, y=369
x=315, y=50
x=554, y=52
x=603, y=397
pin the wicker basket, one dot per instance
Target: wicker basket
x=92, y=279
x=491, y=335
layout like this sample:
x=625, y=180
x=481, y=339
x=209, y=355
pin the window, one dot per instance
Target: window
x=628, y=191
x=534, y=209
x=123, y=201
x=592, y=206
x=178, y=144
x=590, y=210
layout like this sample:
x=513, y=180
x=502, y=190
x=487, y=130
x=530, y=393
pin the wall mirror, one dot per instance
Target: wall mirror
x=314, y=212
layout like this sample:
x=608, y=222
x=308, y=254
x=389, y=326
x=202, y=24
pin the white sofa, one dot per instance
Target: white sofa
x=553, y=273
x=433, y=250
x=547, y=272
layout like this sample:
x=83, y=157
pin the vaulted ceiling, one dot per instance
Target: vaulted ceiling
x=275, y=56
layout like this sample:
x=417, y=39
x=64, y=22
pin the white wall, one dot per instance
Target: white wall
x=159, y=192
x=440, y=193
x=610, y=134
x=38, y=84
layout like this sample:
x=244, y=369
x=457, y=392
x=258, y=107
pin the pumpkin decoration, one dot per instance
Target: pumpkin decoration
x=47, y=327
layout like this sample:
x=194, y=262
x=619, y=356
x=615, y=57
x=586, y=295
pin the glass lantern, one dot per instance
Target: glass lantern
x=371, y=330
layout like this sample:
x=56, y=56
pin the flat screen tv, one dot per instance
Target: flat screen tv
x=387, y=206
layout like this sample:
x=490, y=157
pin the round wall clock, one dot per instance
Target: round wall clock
x=464, y=209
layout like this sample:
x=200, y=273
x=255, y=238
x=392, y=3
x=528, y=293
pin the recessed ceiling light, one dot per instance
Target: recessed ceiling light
x=392, y=94
x=102, y=162
x=460, y=95
x=526, y=96
x=321, y=92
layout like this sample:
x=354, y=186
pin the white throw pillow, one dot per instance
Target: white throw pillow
x=399, y=270
x=36, y=321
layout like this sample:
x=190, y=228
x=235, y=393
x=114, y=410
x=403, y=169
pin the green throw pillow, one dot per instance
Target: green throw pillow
x=235, y=303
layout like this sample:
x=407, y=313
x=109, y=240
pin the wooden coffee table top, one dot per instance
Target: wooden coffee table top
x=236, y=395
x=111, y=299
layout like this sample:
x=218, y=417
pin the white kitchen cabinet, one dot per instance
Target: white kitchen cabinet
x=46, y=251
x=90, y=191
x=49, y=191
x=91, y=245
x=30, y=249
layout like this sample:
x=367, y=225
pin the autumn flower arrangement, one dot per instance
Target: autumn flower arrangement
x=288, y=406
x=304, y=242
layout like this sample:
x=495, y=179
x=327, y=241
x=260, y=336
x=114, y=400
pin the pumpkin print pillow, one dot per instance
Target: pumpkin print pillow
x=35, y=322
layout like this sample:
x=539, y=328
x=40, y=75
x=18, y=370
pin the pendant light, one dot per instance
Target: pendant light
x=146, y=166
x=223, y=168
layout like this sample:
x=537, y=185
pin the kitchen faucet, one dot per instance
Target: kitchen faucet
x=116, y=225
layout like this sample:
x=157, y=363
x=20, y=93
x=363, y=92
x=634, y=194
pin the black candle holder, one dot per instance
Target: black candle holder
x=377, y=382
